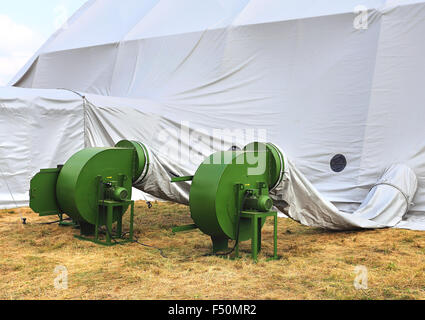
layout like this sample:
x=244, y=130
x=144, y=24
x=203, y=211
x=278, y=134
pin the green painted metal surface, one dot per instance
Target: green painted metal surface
x=276, y=165
x=229, y=183
x=140, y=156
x=94, y=187
x=111, y=239
x=43, y=192
x=187, y=227
x=214, y=200
x=256, y=238
x=182, y=179
x=78, y=184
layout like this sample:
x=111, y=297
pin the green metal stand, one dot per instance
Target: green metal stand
x=188, y=227
x=63, y=223
x=220, y=244
x=182, y=179
x=110, y=239
x=256, y=232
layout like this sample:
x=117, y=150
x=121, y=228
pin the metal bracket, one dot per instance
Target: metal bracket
x=188, y=227
x=182, y=179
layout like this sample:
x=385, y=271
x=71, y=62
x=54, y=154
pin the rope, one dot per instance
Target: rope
x=54, y=222
x=11, y=194
x=136, y=241
x=152, y=247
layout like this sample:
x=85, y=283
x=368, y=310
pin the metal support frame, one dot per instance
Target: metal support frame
x=63, y=223
x=221, y=243
x=111, y=239
x=184, y=228
x=182, y=179
x=256, y=232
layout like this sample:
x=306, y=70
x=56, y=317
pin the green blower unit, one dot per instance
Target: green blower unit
x=229, y=196
x=94, y=188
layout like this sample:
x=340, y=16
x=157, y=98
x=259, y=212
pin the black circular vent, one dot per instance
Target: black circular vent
x=338, y=163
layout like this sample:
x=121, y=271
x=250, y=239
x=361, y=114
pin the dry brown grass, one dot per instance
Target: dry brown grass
x=314, y=264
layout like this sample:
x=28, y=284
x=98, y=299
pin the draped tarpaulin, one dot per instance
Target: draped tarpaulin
x=51, y=125
x=38, y=129
x=318, y=79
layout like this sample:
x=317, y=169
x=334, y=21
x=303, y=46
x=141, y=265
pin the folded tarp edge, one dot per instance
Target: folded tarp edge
x=385, y=206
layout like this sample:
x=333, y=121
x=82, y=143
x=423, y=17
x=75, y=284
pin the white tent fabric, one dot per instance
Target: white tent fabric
x=297, y=69
x=42, y=128
x=110, y=120
x=91, y=120
x=38, y=129
x=386, y=205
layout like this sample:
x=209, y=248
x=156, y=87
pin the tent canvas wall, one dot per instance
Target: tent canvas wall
x=38, y=129
x=299, y=69
x=51, y=125
x=41, y=128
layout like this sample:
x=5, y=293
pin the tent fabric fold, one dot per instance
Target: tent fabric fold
x=301, y=74
x=60, y=123
x=386, y=204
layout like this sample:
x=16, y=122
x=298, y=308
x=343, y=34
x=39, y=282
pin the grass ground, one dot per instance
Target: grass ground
x=314, y=264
